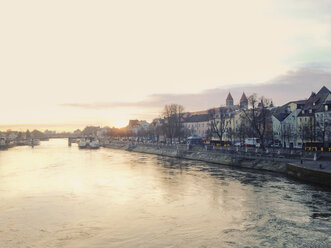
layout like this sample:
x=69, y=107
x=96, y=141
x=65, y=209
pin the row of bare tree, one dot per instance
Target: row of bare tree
x=254, y=121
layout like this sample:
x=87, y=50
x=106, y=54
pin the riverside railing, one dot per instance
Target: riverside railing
x=242, y=152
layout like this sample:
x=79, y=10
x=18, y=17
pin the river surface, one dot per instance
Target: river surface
x=59, y=196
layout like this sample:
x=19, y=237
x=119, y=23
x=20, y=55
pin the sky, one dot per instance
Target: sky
x=68, y=64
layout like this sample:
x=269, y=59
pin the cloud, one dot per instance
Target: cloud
x=293, y=85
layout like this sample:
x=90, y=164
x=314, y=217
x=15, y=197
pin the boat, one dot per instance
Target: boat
x=3, y=144
x=94, y=144
x=89, y=143
x=82, y=144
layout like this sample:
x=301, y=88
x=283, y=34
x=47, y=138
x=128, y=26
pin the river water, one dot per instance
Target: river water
x=59, y=196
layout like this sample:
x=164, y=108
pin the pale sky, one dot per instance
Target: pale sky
x=67, y=64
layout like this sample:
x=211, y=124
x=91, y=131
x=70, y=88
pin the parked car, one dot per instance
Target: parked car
x=252, y=142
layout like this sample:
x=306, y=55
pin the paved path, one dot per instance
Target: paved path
x=315, y=165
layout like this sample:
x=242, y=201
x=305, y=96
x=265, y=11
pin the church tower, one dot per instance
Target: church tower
x=243, y=101
x=229, y=101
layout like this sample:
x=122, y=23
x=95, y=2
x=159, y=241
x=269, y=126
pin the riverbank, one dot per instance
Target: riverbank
x=216, y=157
x=307, y=171
x=311, y=171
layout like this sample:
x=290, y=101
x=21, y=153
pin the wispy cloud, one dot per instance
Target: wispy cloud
x=293, y=85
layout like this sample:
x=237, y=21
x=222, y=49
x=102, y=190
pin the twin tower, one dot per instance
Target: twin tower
x=243, y=101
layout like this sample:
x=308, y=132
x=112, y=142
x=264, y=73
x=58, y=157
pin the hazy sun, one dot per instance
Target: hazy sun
x=119, y=123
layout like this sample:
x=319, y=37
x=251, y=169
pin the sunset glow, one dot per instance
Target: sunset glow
x=84, y=63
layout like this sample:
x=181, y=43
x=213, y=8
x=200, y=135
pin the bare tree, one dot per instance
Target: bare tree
x=172, y=115
x=323, y=130
x=217, y=119
x=302, y=134
x=286, y=134
x=310, y=130
x=28, y=134
x=258, y=116
x=157, y=128
x=241, y=132
x=231, y=133
x=188, y=131
x=158, y=131
x=307, y=132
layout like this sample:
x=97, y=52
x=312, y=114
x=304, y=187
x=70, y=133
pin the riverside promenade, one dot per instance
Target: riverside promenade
x=287, y=162
x=311, y=171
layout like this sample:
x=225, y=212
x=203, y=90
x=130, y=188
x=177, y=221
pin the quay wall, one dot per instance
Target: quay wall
x=309, y=175
x=267, y=164
x=278, y=165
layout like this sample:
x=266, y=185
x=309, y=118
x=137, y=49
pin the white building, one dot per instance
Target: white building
x=197, y=124
x=314, y=117
x=136, y=126
x=323, y=122
x=285, y=124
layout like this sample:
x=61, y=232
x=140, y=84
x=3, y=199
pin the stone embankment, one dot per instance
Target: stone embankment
x=287, y=164
x=247, y=160
x=311, y=171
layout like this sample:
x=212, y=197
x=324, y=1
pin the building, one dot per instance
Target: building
x=196, y=125
x=323, y=122
x=285, y=124
x=243, y=101
x=229, y=118
x=229, y=101
x=136, y=126
x=309, y=129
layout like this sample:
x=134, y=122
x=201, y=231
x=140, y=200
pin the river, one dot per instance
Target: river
x=53, y=195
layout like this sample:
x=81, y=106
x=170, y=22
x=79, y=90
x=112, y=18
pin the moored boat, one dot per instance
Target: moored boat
x=94, y=144
x=82, y=144
x=3, y=144
x=89, y=143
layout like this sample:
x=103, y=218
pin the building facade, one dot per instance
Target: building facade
x=285, y=125
x=196, y=125
x=313, y=116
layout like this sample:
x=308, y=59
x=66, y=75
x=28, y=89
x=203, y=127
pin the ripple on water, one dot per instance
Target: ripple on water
x=56, y=196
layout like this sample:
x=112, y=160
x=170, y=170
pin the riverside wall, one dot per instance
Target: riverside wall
x=267, y=164
x=290, y=166
x=322, y=177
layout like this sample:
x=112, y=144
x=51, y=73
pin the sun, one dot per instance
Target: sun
x=119, y=123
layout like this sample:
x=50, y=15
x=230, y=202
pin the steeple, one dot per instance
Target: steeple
x=243, y=101
x=229, y=101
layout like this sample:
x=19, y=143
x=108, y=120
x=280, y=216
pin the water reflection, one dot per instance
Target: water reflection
x=59, y=196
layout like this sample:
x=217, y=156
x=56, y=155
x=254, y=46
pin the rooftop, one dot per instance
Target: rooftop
x=243, y=97
x=229, y=97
